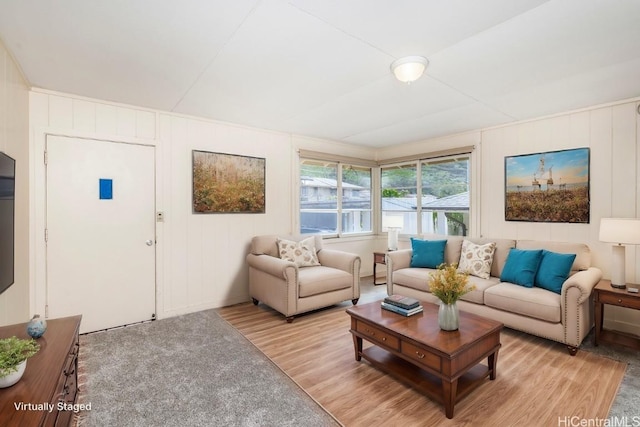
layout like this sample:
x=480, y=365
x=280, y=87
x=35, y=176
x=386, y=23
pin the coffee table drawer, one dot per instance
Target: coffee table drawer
x=377, y=336
x=421, y=356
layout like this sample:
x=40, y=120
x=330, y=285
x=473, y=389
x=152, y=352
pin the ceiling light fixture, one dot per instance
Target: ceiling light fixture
x=409, y=68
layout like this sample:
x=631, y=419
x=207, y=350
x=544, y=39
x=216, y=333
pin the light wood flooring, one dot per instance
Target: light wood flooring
x=538, y=383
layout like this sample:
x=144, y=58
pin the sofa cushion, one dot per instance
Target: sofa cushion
x=503, y=246
x=553, y=270
x=427, y=253
x=476, y=259
x=321, y=279
x=533, y=302
x=582, y=251
x=302, y=253
x=477, y=295
x=416, y=278
x=451, y=250
x=521, y=267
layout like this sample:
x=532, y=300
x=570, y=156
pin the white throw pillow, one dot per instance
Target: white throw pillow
x=302, y=253
x=476, y=259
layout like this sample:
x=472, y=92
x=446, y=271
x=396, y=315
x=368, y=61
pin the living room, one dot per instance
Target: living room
x=200, y=259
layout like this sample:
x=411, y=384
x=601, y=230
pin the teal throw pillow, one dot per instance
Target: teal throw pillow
x=427, y=253
x=554, y=270
x=521, y=267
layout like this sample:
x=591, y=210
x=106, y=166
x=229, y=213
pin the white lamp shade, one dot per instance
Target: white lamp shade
x=409, y=68
x=392, y=221
x=620, y=230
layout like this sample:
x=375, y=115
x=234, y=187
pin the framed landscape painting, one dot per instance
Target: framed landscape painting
x=548, y=187
x=228, y=183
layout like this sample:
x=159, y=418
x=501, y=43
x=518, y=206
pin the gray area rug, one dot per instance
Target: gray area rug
x=191, y=370
x=626, y=406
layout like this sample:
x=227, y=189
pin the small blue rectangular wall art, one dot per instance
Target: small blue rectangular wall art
x=106, y=189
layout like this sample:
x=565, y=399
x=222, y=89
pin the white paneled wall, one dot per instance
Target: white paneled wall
x=14, y=138
x=200, y=257
x=612, y=134
x=204, y=254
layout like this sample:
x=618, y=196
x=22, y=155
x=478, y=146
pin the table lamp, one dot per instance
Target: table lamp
x=620, y=231
x=393, y=224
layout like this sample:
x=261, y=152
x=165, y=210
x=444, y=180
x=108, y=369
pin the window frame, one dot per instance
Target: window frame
x=339, y=210
x=418, y=164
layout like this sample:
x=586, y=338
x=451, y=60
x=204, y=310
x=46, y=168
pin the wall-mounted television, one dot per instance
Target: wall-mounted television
x=7, y=220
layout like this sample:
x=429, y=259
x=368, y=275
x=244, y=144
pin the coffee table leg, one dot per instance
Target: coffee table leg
x=449, y=391
x=493, y=365
x=357, y=345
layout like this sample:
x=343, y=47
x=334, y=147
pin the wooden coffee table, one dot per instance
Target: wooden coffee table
x=443, y=365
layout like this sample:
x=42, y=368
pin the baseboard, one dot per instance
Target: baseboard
x=617, y=325
x=230, y=300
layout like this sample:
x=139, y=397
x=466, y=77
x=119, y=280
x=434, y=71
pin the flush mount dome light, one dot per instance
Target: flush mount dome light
x=409, y=68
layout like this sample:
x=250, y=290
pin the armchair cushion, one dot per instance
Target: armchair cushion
x=302, y=253
x=318, y=280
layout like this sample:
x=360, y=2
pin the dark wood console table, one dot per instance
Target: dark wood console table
x=51, y=377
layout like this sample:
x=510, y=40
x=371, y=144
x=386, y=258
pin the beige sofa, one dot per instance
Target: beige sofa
x=565, y=317
x=290, y=289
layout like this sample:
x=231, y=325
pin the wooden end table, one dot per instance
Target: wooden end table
x=445, y=366
x=605, y=294
x=378, y=258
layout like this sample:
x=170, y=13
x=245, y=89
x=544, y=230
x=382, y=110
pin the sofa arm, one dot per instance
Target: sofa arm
x=396, y=260
x=584, y=281
x=341, y=260
x=399, y=259
x=274, y=266
x=576, y=306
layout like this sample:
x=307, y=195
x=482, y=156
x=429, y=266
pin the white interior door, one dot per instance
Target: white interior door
x=100, y=243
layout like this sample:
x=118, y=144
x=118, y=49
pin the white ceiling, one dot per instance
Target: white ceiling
x=321, y=67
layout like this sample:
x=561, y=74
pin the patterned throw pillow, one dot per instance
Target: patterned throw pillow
x=476, y=259
x=302, y=253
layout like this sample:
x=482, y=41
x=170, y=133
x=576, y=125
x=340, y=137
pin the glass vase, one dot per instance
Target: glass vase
x=448, y=317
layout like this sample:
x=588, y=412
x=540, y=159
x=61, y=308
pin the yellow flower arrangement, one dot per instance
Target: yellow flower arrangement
x=448, y=284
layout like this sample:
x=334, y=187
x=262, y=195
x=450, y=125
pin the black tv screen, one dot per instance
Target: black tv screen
x=7, y=217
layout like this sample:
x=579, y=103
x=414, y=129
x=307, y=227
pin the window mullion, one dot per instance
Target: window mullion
x=339, y=199
x=419, y=196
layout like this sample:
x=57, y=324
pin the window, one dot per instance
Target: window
x=335, y=198
x=399, y=195
x=443, y=194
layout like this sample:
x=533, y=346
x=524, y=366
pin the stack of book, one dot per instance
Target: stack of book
x=406, y=306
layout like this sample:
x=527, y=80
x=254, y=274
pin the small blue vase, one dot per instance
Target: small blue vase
x=36, y=326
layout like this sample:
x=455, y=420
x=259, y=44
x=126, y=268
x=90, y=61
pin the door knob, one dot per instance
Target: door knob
x=149, y=242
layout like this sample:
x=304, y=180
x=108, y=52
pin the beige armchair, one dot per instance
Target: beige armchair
x=290, y=289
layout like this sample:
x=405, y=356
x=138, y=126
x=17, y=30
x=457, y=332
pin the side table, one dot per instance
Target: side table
x=605, y=294
x=378, y=258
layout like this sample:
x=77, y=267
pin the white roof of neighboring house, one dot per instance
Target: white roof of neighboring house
x=456, y=202
x=404, y=203
x=309, y=181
